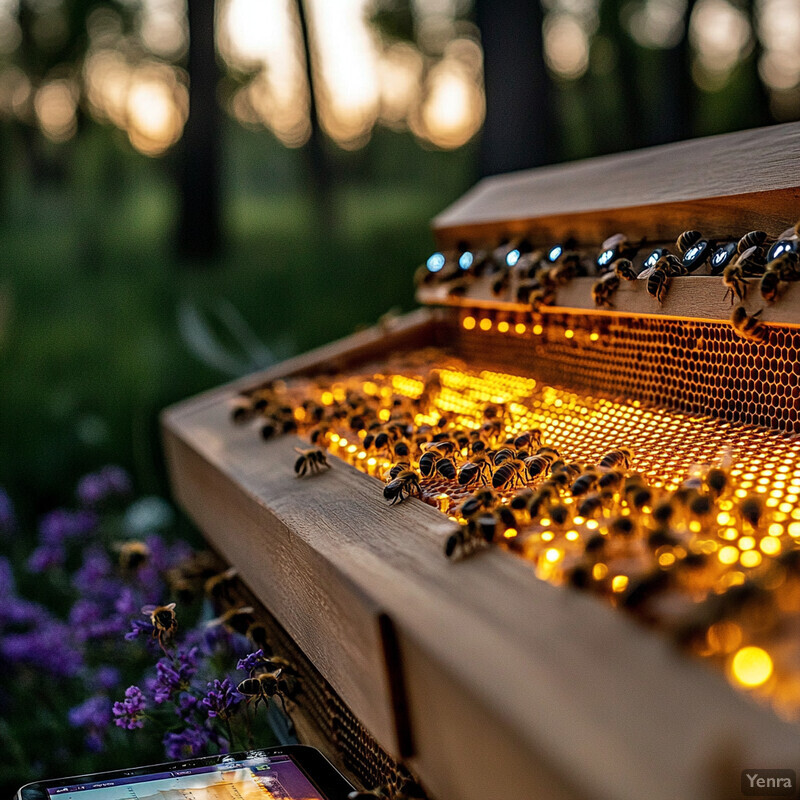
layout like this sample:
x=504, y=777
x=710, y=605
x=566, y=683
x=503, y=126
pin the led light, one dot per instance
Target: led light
x=569, y=333
x=770, y=545
x=502, y=327
x=605, y=257
x=553, y=554
x=465, y=260
x=537, y=330
x=468, y=323
x=751, y=666
x=780, y=247
x=728, y=555
x=555, y=252
x=435, y=262
x=650, y=261
x=619, y=583
x=512, y=257
x=520, y=328
x=485, y=324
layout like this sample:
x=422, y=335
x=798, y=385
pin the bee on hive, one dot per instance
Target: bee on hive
x=310, y=461
x=733, y=278
x=749, y=326
x=751, y=239
x=508, y=474
x=769, y=283
x=660, y=278
x=474, y=470
x=485, y=498
x=404, y=485
x=603, y=290
x=619, y=457
x=687, y=239
x=624, y=269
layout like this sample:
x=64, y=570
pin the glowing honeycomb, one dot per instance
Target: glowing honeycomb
x=724, y=583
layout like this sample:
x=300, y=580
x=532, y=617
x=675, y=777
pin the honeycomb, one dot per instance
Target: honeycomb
x=690, y=366
x=686, y=397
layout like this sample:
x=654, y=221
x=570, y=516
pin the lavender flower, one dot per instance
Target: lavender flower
x=48, y=647
x=8, y=519
x=173, y=675
x=250, y=662
x=97, y=488
x=186, y=744
x=129, y=713
x=105, y=677
x=186, y=706
x=140, y=626
x=94, y=715
x=61, y=525
x=46, y=557
x=221, y=699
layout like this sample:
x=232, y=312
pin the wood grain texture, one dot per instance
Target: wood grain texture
x=514, y=686
x=722, y=184
x=695, y=297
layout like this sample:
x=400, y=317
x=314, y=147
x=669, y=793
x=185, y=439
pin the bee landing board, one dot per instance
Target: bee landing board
x=498, y=683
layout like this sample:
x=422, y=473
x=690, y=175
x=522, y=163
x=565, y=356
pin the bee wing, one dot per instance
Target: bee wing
x=149, y=609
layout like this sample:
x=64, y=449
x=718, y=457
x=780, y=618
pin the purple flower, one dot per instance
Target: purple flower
x=250, y=662
x=96, y=577
x=49, y=648
x=221, y=699
x=46, y=557
x=94, y=715
x=106, y=677
x=60, y=525
x=140, y=626
x=186, y=706
x=97, y=488
x=129, y=713
x=8, y=519
x=173, y=674
x=186, y=744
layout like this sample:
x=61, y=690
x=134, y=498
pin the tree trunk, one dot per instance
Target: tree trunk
x=517, y=133
x=200, y=228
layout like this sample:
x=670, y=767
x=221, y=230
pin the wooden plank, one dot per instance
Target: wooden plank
x=724, y=184
x=692, y=297
x=558, y=690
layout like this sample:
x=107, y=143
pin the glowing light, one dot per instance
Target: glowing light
x=503, y=326
x=594, y=336
x=520, y=328
x=512, y=257
x=485, y=324
x=770, y=545
x=619, y=583
x=510, y=533
x=468, y=323
x=566, y=46
x=569, y=333
x=666, y=559
x=747, y=543
x=728, y=555
x=599, y=571
x=537, y=330
x=750, y=558
x=555, y=252
x=465, y=260
x=435, y=262
x=55, y=104
x=751, y=666
x=553, y=554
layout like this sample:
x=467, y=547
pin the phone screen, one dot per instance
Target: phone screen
x=275, y=777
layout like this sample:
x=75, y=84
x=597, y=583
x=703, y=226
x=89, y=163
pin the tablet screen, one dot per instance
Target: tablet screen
x=275, y=777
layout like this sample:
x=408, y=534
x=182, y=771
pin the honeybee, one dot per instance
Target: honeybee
x=749, y=326
x=603, y=290
x=584, y=483
x=446, y=467
x=619, y=457
x=463, y=542
x=751, y=509
x=716, y=480
x=752, y=262
x=733, y=279
x=319, y=436
x=659, y=280
x=217, y=586
x=484, y=498
x=404, y=485
x=501, y=455
x=242, y=410
x=474, y=470
x=442, y=446
x=269, y=679
x=751, y=239
x=542, y=498
x=611, y=479
x=237, y=620
x=664, y=512
x=787, y=265
x=590, y=505
x=164, y=622
x=769, y=284
x=397, y=468
x=687, y=239
x=537, y=465
x=508, y=473
x=132, y=555
x=624, y=269
x=529, y=438
x=427, y=463
x=311, y=461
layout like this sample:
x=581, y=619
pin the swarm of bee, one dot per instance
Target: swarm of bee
x=673, y=528
x=528, y=275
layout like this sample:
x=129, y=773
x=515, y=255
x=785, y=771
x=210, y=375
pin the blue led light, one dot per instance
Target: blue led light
x=555, y=252
x=692, y=253
x=780, y=247
x=512, y=257
x=605, y=257
x=466, y=259
x=650, y=261
x=719, y=257
x=436, y=262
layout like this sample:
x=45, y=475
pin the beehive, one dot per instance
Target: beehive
x=558, y=684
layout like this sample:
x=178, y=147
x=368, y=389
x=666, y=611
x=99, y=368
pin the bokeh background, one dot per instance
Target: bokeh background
x=191, y=190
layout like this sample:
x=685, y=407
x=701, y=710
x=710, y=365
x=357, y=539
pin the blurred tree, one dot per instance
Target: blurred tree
x=199, y=226
x=517, y=132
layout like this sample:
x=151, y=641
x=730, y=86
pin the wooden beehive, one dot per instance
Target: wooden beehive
x=485, y=680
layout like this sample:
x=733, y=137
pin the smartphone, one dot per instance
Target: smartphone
x=294, y=772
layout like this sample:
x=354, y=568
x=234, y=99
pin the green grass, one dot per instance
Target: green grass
x=89, y=344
